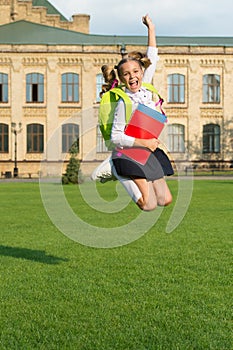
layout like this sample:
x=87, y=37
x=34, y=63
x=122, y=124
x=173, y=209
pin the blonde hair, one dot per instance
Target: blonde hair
x=142, y=58
x=109, y=73
x=110, y=76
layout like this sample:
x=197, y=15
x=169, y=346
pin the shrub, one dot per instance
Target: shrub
x=73, y=172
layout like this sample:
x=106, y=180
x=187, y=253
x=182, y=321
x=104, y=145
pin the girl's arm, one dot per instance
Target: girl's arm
x=152, y=51
x=151, y=30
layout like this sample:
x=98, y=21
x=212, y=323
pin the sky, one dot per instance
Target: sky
x=171, y=17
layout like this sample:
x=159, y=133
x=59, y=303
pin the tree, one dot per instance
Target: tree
x=73, y=172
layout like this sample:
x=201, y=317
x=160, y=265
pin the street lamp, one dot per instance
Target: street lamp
x=16, y=130
x=123, y=51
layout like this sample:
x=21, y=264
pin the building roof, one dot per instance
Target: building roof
x=51, y=10
x=28, y=33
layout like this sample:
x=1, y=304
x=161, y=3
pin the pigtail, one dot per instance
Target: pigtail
x=110, y=79
x=141, y=58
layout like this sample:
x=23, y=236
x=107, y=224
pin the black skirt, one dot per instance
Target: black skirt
x=157, y=166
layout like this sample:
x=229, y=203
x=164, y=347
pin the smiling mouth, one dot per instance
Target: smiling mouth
x=133, y=84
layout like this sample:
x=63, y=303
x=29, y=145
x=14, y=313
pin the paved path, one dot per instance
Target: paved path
x=204, y=177
x=184, y=177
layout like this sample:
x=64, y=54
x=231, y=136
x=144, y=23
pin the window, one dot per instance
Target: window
x=100, y=147
x=176, y=138
x=4, y=138
x=70, y=135
x=211, y=88
x=211, y=138
x=34, y=88
x=70, y=87
x=3, y=87
x=176, y=88
x=99, y=83
x=35, y=138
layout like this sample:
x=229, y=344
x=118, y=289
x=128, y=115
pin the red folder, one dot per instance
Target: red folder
x=139, y=155
x=145, y=123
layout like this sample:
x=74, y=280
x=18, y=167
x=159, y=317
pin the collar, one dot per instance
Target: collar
x=141, y=90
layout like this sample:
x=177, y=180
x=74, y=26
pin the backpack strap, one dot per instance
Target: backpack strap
x=151, y=88
x=127, y=101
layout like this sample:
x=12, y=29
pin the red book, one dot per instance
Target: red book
x=145, y=123
x=139, y=155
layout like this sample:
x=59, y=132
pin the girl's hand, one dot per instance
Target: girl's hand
x=147, y=21
x=151, y=144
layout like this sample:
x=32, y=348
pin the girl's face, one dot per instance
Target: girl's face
x=131, y=75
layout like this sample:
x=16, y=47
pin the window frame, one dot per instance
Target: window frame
x=4, y=88
x=4, y=138
x=100, y=143
x=211, y=86
x=211, y=139
x=70, y=135
x=35, y=138
x=176, y=89
x=34, y=87
x=99, y=84
x=70, y=87
x=176, y=138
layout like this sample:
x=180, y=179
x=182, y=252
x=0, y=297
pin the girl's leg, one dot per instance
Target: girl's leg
x=129, y=185
x=141, y=191
x=148, y=200
x=162, y=192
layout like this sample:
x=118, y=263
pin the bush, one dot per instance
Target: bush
x=73, y=172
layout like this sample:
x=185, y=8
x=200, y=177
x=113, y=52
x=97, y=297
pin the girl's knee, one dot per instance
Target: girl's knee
x=146, y=205
x=164, y=201
x=169, y=200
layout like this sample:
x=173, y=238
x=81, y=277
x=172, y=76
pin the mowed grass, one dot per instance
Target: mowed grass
x=162, y=291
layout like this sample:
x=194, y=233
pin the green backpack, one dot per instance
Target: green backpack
x=107, y=107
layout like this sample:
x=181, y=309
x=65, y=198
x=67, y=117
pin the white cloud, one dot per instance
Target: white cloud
x=172, y=17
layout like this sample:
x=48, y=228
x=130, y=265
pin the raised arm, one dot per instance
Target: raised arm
x=152, y=51
x=151, y=30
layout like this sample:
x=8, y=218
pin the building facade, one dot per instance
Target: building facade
x=50, y=82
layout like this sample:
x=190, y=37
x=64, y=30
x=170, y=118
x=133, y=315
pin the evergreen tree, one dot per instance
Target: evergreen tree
x=73, y=172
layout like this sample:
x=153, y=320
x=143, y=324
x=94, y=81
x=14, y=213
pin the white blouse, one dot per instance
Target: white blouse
x=142, y=96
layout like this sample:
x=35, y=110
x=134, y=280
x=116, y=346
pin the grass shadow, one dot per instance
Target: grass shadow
x=31, y=254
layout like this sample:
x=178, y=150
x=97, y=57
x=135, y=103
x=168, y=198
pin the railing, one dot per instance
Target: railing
x=211, y=171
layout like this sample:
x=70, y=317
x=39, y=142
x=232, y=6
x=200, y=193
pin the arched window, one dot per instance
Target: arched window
x=34, y=88
x=176, y=88
x=70, y=87
x=99, y=83
x=211, y=88
x=176, y=138
x=35, y=138
x=100, y=146
x=211, y=138
x=4, y=138
x=70, y=136
x=3, y=88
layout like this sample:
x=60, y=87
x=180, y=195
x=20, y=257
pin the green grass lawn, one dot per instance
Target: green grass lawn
x=161, y=292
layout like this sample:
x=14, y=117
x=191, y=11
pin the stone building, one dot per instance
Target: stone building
x=50, y=81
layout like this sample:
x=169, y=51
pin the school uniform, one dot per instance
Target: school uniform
x=158, y=164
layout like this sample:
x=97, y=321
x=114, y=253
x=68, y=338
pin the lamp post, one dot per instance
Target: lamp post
x=16, y=130
x=123, y=51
